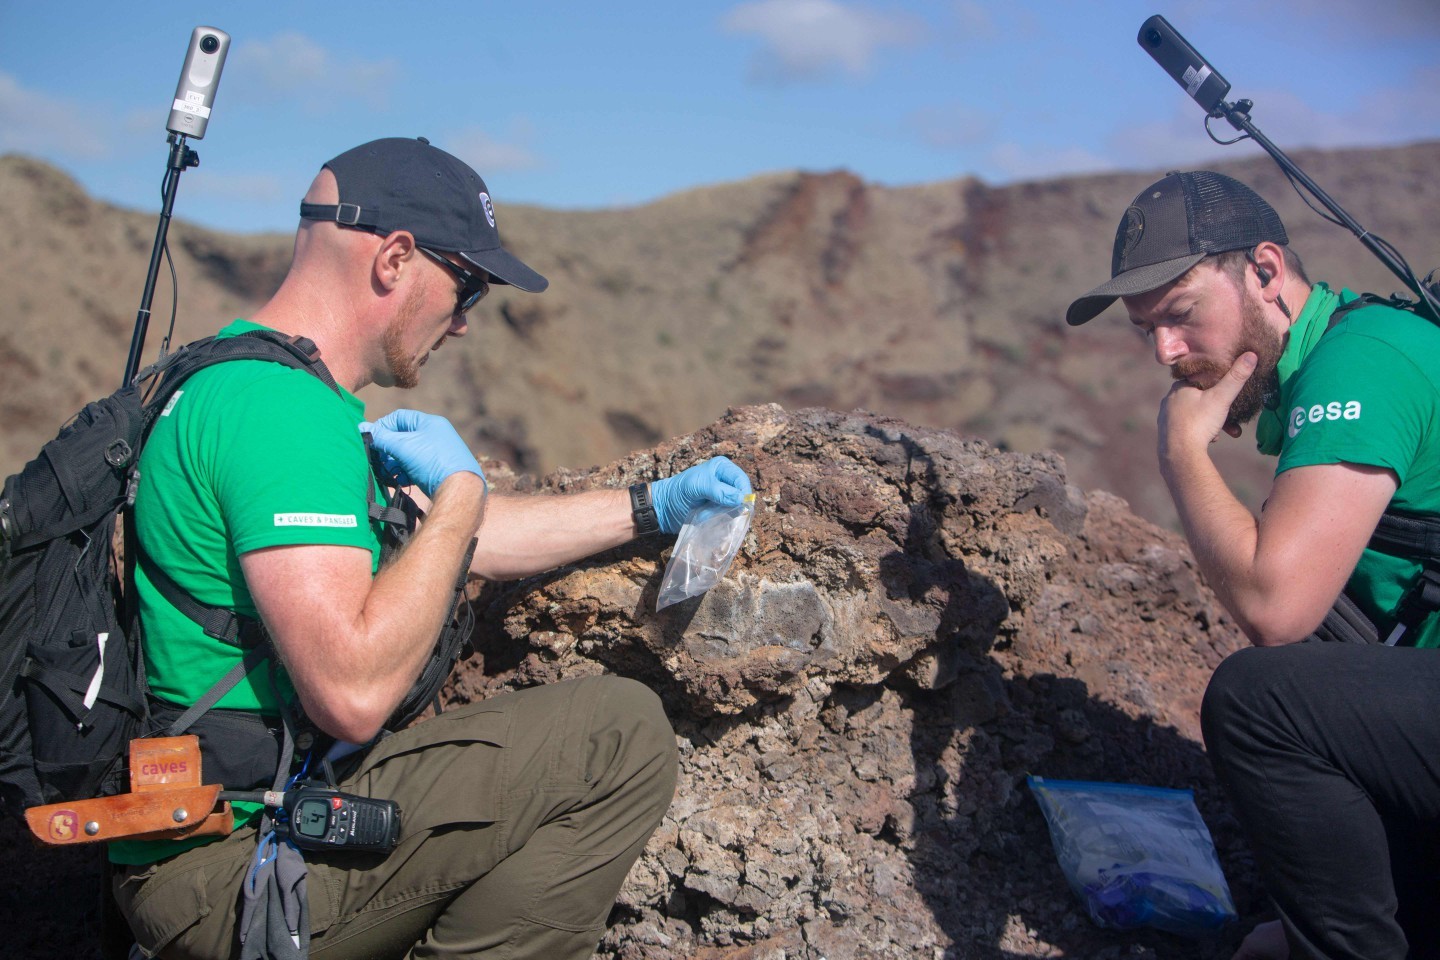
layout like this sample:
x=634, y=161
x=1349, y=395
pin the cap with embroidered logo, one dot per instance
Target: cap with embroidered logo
x=401, y=184
x=1172, y=225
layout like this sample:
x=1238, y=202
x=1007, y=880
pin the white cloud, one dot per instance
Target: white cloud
x=1358, y=24
x=488, y=155
x=975, y=19
x=1178, y=140
x=40, y=124
x=293, y=65
x=811, y=39
x=951, y=126
x=1408, y=19
x=1006, y=162
x=249, y=187
x=138, y=121
x=1385, y=116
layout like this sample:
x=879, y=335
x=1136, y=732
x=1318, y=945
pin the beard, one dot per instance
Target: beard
x=1257, y=337
x=404, y=368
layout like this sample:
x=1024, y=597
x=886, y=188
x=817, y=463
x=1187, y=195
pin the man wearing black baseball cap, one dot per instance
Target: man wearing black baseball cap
x=520, y=815
x=1327, y=749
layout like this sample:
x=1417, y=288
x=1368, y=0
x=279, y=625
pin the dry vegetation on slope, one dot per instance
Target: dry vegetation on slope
x=941, y=304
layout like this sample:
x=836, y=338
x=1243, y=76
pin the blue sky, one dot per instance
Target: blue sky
x=585, y=105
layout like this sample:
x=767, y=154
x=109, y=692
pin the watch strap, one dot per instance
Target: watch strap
x=642, y=510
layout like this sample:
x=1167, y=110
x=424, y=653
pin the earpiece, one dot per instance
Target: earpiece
x=1260, y=271
x=1264, y=276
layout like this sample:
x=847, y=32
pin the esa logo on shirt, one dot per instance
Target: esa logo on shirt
x=1334, y=410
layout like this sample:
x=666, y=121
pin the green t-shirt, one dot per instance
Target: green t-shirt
x=1367, y=392
x=248, y=454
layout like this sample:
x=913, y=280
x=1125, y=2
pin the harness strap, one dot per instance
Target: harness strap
x=1346, y=623
x=221, y=687
x=1369, y=300
x=69, y=690
x=1421, y=600
x=219, y=623
x=391, y=513
x=1408, y=535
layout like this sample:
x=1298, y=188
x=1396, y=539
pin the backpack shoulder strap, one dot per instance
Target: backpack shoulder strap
x=1367, y=300
x=221, y=623
x=174, y=369
x=1412, y=536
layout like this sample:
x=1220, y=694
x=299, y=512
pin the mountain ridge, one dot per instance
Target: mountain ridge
x=940, y=303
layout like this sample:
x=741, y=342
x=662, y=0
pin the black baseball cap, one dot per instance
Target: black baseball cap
x=401, y=184
x=1172, y=225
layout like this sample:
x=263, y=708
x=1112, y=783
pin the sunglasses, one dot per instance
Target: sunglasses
x=472, y=288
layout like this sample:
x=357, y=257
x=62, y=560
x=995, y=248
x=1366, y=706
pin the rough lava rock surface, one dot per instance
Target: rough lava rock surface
x=914, y=623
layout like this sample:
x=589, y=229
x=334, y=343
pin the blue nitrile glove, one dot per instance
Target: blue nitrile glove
x=716, y=480
x=421, y=449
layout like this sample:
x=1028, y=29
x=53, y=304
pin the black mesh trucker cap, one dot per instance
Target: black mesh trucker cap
x=402, y=184
x=1171, y=226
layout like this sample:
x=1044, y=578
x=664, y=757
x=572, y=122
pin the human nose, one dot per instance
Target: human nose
x=459, y=324
x=1169, y=347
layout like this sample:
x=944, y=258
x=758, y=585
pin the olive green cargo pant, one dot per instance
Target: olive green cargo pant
x=521, y=816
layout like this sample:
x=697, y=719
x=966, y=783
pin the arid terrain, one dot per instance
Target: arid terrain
x=915, y=623
x=940, y=304
x=942, y=592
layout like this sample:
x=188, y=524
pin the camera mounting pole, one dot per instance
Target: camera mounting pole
x=1238, y=114
x=181, y=157
x=1208, y=88
x=189, y=116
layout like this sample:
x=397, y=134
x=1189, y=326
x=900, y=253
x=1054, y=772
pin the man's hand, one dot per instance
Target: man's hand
x=716, y=480
x=1266, y=942
x=421, y=449
x=1191, y=418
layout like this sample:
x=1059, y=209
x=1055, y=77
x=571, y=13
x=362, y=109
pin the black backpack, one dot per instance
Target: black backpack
x=72, y=679
x=1411, y=536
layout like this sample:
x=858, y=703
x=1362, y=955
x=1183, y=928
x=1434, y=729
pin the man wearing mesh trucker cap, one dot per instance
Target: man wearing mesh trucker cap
x=519, y=815
x=1329, y=751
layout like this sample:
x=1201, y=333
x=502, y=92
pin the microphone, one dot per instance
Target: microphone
x=1184, y=63
x=198, y=79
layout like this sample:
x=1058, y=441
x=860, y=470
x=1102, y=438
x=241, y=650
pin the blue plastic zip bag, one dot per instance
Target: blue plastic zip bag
x=1136, y=856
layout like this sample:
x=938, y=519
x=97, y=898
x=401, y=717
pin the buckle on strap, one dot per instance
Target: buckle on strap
x=346, y=214
x=221, y=624
x=233, y=628
x=1418, y=602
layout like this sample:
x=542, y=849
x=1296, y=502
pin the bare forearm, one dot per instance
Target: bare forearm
x=526, y=535
x=353, y=645
x=1277, y=575
x=1222, y=532
x=409, y=600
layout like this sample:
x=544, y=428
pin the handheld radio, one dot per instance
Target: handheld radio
x=319, y=817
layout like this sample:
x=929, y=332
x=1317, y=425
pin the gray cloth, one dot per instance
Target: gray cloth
x=274, y=915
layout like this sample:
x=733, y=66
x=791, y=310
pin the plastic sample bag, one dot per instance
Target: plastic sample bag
x=707, y=544
x=1136, y=856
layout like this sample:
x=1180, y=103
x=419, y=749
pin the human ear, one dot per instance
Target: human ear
x=1269, y=262
x=396, y=250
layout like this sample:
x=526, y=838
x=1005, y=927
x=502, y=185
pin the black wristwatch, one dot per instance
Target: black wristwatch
x=642, y=510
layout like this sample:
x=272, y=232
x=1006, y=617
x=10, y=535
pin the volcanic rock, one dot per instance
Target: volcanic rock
x=914, y=623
